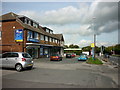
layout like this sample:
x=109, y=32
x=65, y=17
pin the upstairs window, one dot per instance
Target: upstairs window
x=56, y=40
x=32, y=35
x=35, y=35
x=35, y=25
x=29, y=22
x=46, y=38
x=51, y=32
x=41, y=37
x=53, y=40
x=47, y=30
x=50, y=39
x=25, y=21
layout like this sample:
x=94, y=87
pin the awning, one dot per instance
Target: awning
x=38, y=44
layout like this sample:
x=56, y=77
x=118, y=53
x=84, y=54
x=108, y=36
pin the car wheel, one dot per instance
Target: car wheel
x=18, y=67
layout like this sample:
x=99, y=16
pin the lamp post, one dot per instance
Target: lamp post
x=94, y=39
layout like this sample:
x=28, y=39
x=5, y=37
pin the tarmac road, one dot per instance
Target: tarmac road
x=68, y=73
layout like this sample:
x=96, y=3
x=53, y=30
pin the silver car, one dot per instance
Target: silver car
x=17, y=60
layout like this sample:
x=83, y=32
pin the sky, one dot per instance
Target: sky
x=77, y=21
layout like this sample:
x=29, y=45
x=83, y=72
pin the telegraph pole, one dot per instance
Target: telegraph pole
x=94, y=38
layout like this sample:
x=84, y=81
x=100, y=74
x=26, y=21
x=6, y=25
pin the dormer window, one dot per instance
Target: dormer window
x=35, y=25
x=47, y=30
x=29, y=22
x=25, y=21
x=51, y=32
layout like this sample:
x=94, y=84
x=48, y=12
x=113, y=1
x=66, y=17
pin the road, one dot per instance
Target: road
x=114, y=60
x=68, y=73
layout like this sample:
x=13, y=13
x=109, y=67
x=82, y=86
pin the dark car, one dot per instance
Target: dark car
x=68, y=55
x=55, y=57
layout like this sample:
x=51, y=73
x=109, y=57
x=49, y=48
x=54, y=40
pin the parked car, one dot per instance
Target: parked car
x=55, y=57
x=17, y=60
x=68, y=55
x=82, y=58
x=73, y=55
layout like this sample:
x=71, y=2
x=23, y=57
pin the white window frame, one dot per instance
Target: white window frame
x=46, y=38
x=41, y=37
x=25, y=21
x=36, y=35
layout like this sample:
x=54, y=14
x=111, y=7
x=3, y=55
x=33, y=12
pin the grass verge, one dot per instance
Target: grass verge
x=96, y=61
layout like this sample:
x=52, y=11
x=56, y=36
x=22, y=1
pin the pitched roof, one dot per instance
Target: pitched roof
x=8, y=16
x=13, y=16
x=60, y=36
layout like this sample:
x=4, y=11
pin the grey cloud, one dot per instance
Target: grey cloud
x=106, y=14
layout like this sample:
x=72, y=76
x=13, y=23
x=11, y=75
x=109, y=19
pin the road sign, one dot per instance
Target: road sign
x=92, y=45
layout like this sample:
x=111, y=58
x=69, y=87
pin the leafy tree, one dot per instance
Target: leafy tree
x=87, y=48
x=73, y=46
x=97, y=49
x=117, y=49
x=66, y=46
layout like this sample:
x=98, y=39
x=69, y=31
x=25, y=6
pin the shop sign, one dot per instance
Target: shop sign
x=19, y=35
x=33, y=40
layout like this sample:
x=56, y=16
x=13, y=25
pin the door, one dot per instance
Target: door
x=9, y=59
x=5, y=60
x=12, y=59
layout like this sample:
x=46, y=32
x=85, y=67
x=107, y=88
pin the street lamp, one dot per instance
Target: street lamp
x=94, y=39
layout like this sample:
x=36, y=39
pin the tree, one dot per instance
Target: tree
x=87, y=48
x=66, y=46
x=97, y=49
x=73, y=46
x=117, y=49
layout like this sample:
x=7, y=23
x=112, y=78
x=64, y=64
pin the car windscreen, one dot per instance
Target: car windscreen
x=26, y=55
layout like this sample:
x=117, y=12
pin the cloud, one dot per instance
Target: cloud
x=84, y=43
x=106, y=14
x=75, y=21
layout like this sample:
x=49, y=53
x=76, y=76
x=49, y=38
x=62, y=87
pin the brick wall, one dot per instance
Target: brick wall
x=8, y=42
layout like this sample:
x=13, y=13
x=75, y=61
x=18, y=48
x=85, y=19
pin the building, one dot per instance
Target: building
x=22, y=34
x=77, y=51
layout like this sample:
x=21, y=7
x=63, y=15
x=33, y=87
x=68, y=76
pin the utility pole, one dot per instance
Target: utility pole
x=94, y=38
